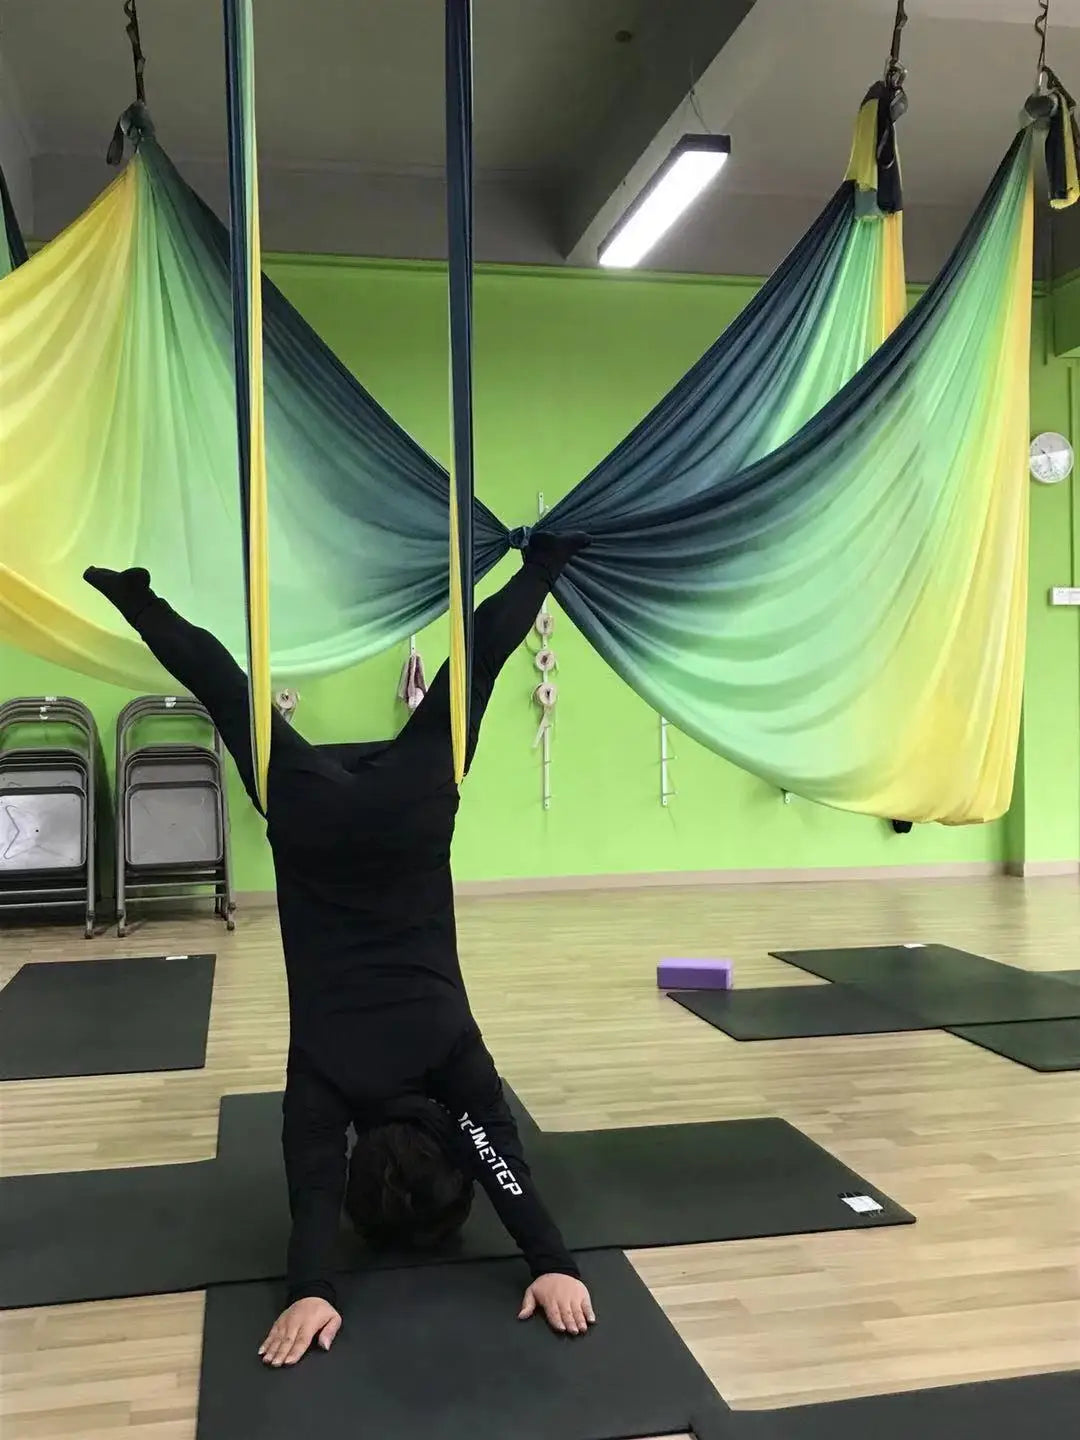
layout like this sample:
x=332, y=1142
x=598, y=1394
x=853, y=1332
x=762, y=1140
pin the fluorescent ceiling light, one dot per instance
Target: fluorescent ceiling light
x=695, y=161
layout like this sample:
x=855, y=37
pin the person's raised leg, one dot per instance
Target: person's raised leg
x=500, y=625
x=197, y=660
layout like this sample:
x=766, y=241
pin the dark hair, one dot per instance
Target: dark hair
x=405, y=1191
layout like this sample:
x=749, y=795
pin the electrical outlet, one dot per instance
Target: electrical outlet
x=1065, y=595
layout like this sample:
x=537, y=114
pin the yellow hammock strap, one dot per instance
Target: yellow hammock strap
x=248, y=346
x=459, y=677
x=863, y=165
x=891, y=306
x=459, y=226
x=258, y=514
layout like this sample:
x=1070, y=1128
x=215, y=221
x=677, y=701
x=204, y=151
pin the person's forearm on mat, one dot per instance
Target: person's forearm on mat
x=468, y=1085
x=315, y=1122
x=314, y=1134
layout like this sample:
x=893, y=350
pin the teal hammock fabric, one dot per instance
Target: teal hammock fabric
x=12, y=248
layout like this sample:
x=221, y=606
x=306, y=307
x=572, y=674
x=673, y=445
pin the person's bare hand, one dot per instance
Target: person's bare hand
x=564, y=1301
x=296, y=1328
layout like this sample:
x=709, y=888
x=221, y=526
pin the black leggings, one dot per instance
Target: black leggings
x=199, y=662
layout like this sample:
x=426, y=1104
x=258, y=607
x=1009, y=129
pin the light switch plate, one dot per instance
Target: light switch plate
x=1065, y=595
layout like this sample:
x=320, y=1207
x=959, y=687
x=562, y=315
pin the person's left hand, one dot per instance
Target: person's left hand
x=564, y=1301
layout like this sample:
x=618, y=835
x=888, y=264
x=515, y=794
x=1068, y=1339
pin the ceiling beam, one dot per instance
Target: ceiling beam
x=676, y=43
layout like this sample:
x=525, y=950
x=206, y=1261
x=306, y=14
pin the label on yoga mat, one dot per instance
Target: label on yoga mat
x=861, y=1204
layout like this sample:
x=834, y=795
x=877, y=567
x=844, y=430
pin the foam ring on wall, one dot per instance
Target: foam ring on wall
x=545, y=660
x=545, y=623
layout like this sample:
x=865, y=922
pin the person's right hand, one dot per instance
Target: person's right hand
x=295, y=1329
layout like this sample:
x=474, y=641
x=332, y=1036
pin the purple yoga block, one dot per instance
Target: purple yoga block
x=694, y=974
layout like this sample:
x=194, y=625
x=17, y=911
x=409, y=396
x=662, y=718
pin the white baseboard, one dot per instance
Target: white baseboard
x=681, y=879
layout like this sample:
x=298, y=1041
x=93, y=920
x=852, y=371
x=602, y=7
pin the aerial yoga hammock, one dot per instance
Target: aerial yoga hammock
x=810, y=559
x=149, y=264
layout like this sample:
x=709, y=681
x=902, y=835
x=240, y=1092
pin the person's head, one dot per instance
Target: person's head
x=405, y=1190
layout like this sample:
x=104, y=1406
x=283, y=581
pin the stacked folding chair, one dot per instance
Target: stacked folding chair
x=52, y=777
x=172, y=819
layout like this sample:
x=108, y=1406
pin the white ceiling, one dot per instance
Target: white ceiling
x=571, y=117
x=790, y=113
x=359, y=82
x=788, y=85
x=339, y=82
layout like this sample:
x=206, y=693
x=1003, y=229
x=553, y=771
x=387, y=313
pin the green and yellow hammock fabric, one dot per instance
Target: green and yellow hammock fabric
x=844, y=616
x=810, y=555
x=124, y=326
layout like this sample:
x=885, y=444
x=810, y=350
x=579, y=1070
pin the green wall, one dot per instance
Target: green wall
x=1045, y=825
x=566, y=362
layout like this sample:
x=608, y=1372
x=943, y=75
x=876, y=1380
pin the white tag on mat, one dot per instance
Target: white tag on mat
x=861, y=1204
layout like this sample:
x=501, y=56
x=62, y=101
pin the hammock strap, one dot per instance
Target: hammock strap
x=459, y=217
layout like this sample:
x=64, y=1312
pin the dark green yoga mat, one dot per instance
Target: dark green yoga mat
x=150, y=1230
x=942, y=986
x=794, y=1012
x=106, y=1017
x=1044, y=1045
x=438, y=1352
x=1032, y=1407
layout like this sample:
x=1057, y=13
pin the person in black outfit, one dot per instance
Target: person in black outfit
x=381, y=1033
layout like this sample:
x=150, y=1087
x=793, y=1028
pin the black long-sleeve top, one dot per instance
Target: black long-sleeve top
x=378, y=1006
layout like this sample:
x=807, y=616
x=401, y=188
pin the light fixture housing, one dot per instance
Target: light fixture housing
x=689, y=169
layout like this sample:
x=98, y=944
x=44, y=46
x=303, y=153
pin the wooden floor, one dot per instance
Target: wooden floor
x=986, y=1153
